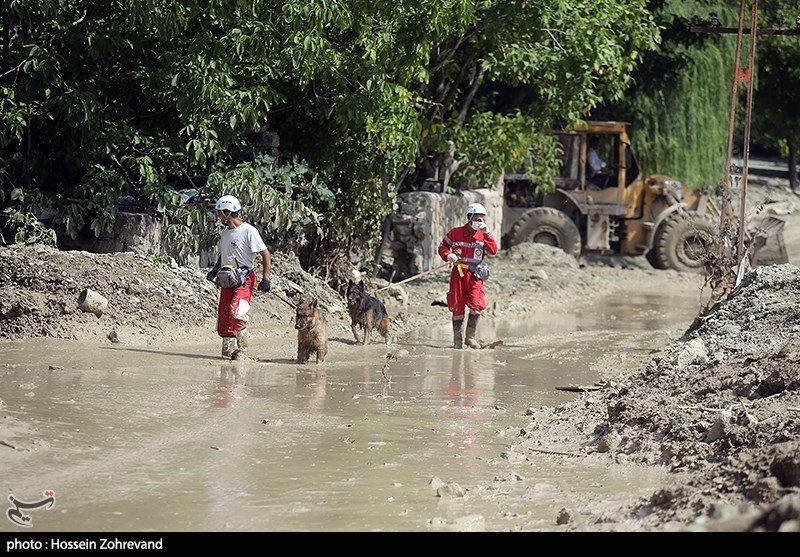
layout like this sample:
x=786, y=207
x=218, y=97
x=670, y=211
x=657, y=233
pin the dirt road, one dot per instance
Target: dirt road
x=712, y=416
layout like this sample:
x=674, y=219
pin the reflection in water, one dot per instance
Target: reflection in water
x=468, y=384
x=350, y=447
x=310, y=391
x=469, y=395
x=223, y=391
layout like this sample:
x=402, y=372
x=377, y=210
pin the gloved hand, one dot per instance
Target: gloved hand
x=211, y=275
x=263, y=286
x=484, y=227
x=452, y=258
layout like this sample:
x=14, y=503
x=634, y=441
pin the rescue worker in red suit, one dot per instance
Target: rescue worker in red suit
x=239, y=244
x=462, y=247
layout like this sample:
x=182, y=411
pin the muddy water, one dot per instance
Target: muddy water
x=140, y=438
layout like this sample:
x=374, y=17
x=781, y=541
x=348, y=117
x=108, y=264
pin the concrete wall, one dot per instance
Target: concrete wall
x=417, y=227
x=423, y=218
x=136, y=232
x=142, y=234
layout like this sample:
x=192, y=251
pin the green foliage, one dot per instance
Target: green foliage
x=143, y=98
x=776, y=115
x=775, y=119
x=286, y=202
x=28, y=229
x=161, y=259
x=189, y=232
x=680, y=106
x=493, y=141
x=526, y=64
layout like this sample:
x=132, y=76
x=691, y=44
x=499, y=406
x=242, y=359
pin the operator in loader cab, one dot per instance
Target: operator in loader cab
x=598, y=172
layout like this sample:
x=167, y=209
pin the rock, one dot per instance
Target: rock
x=446, y=489
x=564, y=517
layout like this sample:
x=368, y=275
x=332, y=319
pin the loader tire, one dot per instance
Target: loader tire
x=545, y=225
x=652, y=257
x=683, y=243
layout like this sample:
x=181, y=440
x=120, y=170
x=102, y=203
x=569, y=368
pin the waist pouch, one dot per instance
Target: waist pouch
x=232, y=277
x=480, y=271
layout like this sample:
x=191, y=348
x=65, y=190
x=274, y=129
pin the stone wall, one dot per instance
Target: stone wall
x=423, y=218
x=142, y=234
x=136, y=232
x=417, y=227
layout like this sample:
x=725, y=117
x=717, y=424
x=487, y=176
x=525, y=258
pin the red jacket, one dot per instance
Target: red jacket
x=470, y=245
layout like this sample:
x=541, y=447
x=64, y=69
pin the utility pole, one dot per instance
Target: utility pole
x=742, y=74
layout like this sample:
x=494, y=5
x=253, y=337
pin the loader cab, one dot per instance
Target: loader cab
x=601, y=164
x=574, y=175
x=613, y=149
x=589, y=204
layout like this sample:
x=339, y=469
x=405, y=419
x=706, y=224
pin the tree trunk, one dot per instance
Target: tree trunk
x=386, y=222
x=792, y=141
x=6, y=44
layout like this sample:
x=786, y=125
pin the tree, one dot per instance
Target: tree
x=516, y=70
x=776, y=119
x=114, y=98
x=679, y=105
x=144, y=98
x=141, y=98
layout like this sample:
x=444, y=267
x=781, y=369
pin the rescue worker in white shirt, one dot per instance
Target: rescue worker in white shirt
x=239, y=244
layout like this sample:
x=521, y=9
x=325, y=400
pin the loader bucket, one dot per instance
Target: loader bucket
x=767, y=246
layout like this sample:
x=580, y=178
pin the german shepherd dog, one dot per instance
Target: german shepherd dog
x=312, y=331
x=366, y=311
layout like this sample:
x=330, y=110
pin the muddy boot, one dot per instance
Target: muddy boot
x=242, y=342
x=457, y=326
x=472, y=325
x=228, y=347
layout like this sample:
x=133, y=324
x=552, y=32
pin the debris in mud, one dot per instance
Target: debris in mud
x=580, y=388
x=490, y=345
x=46, y=292
x=446, y=489
x=564, y=517
x=716, y=406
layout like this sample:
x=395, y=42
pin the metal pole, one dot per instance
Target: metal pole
x=744, y=75
x=740, y=254
x=725, y=215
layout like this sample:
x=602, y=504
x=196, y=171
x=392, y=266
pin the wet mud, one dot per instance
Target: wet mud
x=152, y=438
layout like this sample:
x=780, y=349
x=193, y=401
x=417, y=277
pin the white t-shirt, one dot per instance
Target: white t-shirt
x=238, y=246
x=595, y=162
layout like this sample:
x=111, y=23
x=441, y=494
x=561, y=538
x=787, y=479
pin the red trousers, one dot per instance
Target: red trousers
x=234, y=306
x=465, y=291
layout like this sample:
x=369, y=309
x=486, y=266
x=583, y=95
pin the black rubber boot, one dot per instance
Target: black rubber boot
x=472, y=325
x=457, y=326
x=242, y=342
x=228, y=347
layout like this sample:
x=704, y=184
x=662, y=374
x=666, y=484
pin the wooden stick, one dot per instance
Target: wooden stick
x=750, y=418
x=282, y=299
x=414, y=277
x=559, y=453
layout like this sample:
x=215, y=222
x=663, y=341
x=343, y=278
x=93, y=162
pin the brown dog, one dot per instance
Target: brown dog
x=312, y=331
x=366, y=311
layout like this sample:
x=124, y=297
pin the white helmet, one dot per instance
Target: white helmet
x=475, y=209
x=228, y=203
